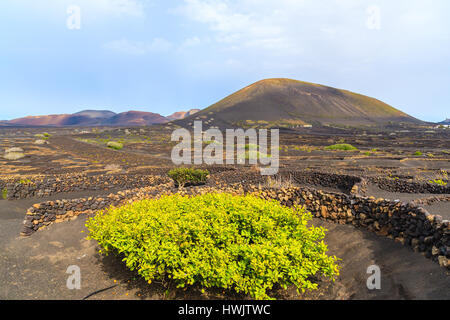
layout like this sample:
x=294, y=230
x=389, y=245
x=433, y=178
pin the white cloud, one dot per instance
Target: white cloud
x=314, y=27
x=157, y=45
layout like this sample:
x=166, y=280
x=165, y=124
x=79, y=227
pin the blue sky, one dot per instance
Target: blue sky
x=167, y=56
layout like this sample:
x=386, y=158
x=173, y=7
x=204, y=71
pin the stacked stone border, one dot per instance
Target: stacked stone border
x=39, y=186
x=406, y=223
x=403, y=186
x=431, y=200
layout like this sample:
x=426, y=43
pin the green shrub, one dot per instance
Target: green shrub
x=5, y=193
x=188, y=176
x=438, y=182
x=418, y=153
x=341, y=147
x=114, y=145
x=241, y=243
x=25, y=181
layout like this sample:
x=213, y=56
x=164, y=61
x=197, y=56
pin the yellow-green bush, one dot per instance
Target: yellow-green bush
x=341, y=147
x=188, y=176
x=241, y=243
x=114, y=145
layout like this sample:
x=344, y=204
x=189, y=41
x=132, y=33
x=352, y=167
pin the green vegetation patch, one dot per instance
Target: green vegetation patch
x=25, y=181
x=438, y=182
x=341, y=147
x=188, y=176
x=5, y=193
x=114, y=145
x=418, y=153
x=240, y=243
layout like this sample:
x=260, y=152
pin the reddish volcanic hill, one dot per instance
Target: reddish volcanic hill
x=136, y=118
x=182, y=114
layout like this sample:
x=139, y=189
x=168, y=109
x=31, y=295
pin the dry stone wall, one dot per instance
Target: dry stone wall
x=402, y=186
x=20, y=188
x=406, y=223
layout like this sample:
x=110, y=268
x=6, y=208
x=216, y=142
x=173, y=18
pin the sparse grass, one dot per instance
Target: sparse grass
x=391, y=177
x=341, y=147
x=252, y=154
x=306, y=148
x=185, y=176
x=279, y=182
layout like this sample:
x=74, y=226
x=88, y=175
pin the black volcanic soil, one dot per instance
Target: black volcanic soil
x=34, y=267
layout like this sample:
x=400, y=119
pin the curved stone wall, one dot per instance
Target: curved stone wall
x=406, y=223
x=21, y=188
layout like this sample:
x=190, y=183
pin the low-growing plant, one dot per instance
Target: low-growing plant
x=418, y=153
x=188, y=176
x=14, y=156
x=341, y=147
x=114, y=145
x=5, y=193
x=438, y=182
x=15, y=149
x=240, y=243
x=41, y=142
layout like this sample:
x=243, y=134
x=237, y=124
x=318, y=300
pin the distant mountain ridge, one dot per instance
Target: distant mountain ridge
x=446, y=121
x=97, y=118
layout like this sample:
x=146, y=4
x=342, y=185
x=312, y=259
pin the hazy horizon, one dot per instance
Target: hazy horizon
x=169, y=56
